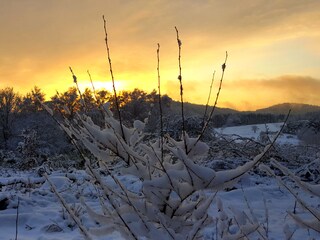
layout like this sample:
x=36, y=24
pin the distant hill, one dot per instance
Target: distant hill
x=283, y=108
x=229, y=117
x=198, y=109
x=296, y=109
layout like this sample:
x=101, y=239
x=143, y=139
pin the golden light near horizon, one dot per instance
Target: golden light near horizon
x=102, y=85
x=274, y=51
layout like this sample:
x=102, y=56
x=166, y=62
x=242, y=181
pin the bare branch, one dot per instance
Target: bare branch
x=116, y=101
x=181, y=91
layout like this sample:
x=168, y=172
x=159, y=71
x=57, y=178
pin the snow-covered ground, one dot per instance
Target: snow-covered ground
x=34, y=206
x=42, y=217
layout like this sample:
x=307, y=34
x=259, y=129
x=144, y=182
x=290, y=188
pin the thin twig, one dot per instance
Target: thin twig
x=82, y=229
x=217, y=97
x=128, y=198
x=291, y=191
x=110, y=199
x=267, y=216
x=116, y=101
x=208, y=100
x=252, y=214
x=81, y=97
x=214, y=106
x=63, y=128
x=160, y=104
x=93, y=88
x=181, y=92
x=17, y=219
x=98, y=101
x=113, y=85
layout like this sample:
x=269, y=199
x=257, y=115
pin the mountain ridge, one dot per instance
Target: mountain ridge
x=296, y=108
x=281, y=108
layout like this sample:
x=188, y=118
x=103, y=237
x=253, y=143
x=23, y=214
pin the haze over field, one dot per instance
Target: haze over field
x=273, y=46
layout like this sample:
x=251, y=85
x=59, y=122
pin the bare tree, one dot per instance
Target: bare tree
x=8, y=103
x=67, y=103
x=31, y=101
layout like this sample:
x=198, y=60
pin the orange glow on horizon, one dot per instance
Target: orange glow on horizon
x=103, y=85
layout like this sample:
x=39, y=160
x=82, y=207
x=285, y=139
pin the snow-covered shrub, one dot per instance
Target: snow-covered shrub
x=308, y=131
x=29, y=144
x=175, y=192
x=193, y=125
x=309, y=135
x=293, y=127
x=8, y=157
x=255, y=128
x=32, y=153
x=64, y=161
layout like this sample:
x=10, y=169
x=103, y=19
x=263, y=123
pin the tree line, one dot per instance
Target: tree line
x=136, y=104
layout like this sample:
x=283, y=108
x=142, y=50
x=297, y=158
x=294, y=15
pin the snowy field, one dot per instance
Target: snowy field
x=253, y=132
x=30, y=209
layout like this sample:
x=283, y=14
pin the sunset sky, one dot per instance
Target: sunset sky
x=273, y=46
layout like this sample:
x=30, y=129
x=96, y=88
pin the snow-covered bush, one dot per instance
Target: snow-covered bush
x=29, y=144
x=309, y=135
x=255, y=128
x=32, y=152
x=293, y=127
x=193, y=125
x=175, y=192
x=8, y=157
x=308, y=131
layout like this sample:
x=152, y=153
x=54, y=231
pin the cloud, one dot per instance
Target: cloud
x=252, y=94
